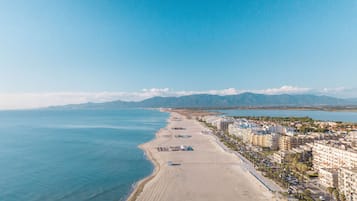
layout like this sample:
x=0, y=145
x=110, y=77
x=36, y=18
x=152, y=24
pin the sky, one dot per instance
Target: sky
x=73, y=51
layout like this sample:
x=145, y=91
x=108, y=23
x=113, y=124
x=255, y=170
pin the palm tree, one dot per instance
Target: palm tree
x=342, y=197
x=336, y=194
x=330, y=190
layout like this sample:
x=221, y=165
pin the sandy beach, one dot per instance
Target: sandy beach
x=207, y=173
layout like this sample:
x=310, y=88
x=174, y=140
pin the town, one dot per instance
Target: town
x=309, y=159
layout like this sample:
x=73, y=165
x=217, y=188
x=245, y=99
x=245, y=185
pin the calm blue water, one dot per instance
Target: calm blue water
x=74, y=155
x=318, y=115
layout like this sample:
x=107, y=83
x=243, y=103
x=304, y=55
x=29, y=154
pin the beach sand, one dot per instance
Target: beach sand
x=208, y=173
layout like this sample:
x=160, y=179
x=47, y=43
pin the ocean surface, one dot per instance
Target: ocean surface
x=317, y=115
x=74, y=155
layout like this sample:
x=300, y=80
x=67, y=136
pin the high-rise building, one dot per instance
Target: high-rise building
x=347, y=183
x=289, y=142
x=327, y=154
x=328, y=177
x=270, y=140
x=223, y=124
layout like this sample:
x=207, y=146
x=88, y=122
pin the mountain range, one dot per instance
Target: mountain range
x=216, y=101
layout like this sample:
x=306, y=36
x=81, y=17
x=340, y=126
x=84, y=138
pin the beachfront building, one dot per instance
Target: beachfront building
x=252, y=134
x=210, y=119
x=242, y=129
x=223, y=123
x=267, y=140
x=347, y=183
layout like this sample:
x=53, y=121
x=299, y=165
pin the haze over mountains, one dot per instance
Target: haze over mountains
x=216, y=101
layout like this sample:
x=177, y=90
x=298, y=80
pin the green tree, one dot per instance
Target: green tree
x=307, y=195
x=307, y=192
x=330, y=190
x=342, y=197
x=336, y=194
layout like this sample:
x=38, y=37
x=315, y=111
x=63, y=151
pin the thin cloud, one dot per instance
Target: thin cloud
x=284, y=90
x=38, y=100
x=343, y=92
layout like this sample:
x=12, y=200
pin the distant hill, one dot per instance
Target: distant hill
x=215, y=101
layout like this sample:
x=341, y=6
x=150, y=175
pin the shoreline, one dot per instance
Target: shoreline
x=196, y=168
x=139, y=186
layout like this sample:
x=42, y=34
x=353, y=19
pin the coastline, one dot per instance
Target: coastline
x=166, y=181
x=139, y=186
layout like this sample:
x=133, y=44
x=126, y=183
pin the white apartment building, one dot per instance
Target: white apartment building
x=352, y=136
x=251, y=134
x=268, y=140
x=334, y=155
x=221, y=123
x=211, y=119
x=328, y=177
x=327, y=154
x=347, y=183
x=241, y=130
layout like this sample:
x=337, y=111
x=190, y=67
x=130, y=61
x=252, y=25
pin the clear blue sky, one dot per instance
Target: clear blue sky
x=72, y=45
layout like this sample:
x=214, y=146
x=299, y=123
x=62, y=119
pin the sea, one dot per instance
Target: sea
x=74, y=155
x=343, y=116
x=88, y=155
